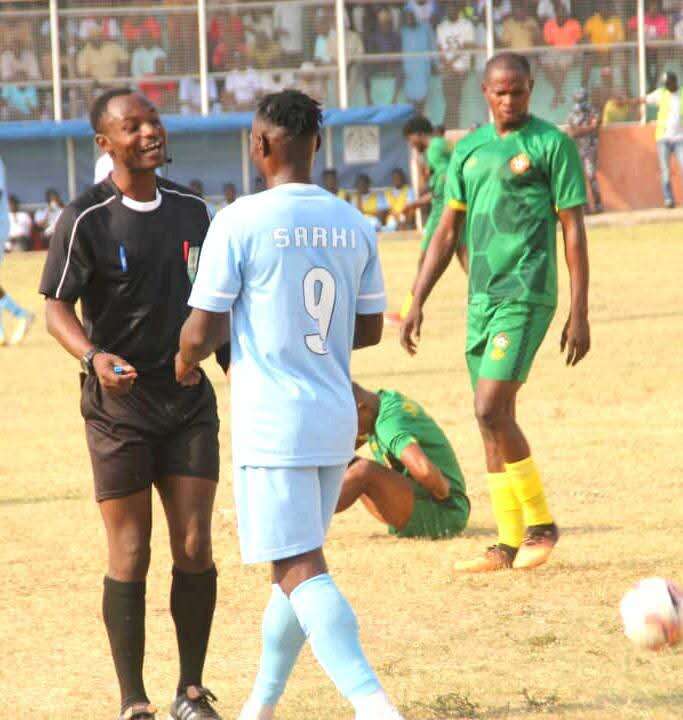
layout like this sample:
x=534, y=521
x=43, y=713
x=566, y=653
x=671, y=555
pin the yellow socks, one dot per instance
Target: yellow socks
x=506, y=509
x=528, y=488
x=405, y=308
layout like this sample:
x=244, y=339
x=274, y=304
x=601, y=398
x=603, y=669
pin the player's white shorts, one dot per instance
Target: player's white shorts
x=284, y=511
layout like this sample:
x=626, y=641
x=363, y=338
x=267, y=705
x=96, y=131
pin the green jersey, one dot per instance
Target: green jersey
x=400, y=423
x=438, y=156
x=511, y=188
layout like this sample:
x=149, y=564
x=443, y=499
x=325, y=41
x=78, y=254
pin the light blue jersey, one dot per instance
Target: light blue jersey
x=4, y=209
x=295, y=264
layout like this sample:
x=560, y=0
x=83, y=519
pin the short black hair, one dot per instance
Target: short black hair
x=292, y=110
x=399, y=170
x=508, y=61
x=99, y=106
x=329, y=171
x=363, y=176
x=418, y=124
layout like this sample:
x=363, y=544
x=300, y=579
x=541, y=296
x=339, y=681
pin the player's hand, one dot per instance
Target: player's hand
x=410, y=329
x=186, y=375
x=576, y=338
x=116, y=376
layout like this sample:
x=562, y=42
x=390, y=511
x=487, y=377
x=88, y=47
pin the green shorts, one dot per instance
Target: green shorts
x=502, y=339
x=432, y=223
x=434, y=519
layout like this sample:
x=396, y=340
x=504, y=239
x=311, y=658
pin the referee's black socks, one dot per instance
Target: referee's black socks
x=193, y=601
x=123, y=607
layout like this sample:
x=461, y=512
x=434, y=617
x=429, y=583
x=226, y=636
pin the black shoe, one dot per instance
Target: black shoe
x=669, y=204
x=139, y=711
x=194, y=704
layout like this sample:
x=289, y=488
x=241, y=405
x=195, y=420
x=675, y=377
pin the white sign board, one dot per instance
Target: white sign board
x=361, y=144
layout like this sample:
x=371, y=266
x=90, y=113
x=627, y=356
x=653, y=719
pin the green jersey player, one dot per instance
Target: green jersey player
x=415, y=484
x=508, y=184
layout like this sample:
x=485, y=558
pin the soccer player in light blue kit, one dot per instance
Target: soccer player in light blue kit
x=299, y=270
x=23, y=318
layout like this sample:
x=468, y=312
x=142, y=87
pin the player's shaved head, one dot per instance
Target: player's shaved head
x=285, y=136
x=508, y=61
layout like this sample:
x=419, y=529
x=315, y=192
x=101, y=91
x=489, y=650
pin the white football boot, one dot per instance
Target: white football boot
x=377, y=707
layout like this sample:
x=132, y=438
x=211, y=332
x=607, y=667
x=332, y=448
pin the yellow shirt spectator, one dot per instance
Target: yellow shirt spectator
x=616, y=111
x=603, y=31
x=101, y=61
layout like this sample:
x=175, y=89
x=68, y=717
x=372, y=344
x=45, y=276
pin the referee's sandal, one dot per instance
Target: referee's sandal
x=139, y=711
x=194, y=704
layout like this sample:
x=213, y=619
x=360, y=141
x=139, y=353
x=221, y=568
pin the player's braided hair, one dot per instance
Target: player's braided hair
x=508, y=61
x=296, y=112
x=418, y=124
x=99, y=106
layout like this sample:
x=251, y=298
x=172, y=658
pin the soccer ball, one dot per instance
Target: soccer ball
x=652, y=613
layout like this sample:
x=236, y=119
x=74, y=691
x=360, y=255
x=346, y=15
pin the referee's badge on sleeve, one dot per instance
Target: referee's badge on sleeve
x=192, y=262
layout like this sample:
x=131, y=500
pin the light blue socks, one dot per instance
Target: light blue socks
x=8, y=305
x=283, y=639
x=331, y=627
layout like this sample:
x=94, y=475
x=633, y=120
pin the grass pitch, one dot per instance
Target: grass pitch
x=546, y=644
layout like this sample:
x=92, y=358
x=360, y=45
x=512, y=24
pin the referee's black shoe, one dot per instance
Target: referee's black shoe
x=194, y=704
x=139, y=711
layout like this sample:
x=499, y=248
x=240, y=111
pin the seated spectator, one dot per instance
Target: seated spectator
x=602, y=29
x=288, y=24
x=46, y=217
x=426, y=11
x=417, y=71
x=311, y=82
x=262, y=47
x=106, y=27
x=243, y=87
x=190, y=96
x=136, y=28
x=397, y=199
x=657, y=27
x=330, y=181
x=455, y=33
x=383, y=41
x=102, y=60
x=547, y=9
x=20, y=101
x=20, y=227
x=144, y=59
x=520, y=30
x=17, y=59
x=229, y=194
x=559, y=32
x=322, y=28
x=372, y=205
x=228, y=41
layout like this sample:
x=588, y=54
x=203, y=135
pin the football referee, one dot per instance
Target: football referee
x=128, y=249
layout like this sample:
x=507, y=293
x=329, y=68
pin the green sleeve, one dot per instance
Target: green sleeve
x=456, y=196
x=567, y=182
x=394, y=432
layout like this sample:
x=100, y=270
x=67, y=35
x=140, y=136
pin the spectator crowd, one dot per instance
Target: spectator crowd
x=404, y=48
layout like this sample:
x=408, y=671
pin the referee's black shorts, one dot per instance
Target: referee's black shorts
x=158, y=429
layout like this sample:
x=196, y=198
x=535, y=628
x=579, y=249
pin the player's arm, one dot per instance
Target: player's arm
x=437, y=258
x=576, y=333
x=425, y=472
x=203, y=333
x=368, y=330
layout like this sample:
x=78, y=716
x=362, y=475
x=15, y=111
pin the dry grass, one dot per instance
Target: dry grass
x=544, y=645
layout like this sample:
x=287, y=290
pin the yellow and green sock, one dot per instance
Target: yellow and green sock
x=526, y=484
x=506, y=509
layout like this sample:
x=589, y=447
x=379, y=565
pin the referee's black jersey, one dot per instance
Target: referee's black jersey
x=131, y=264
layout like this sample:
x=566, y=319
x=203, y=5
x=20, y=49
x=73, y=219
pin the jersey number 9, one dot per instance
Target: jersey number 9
x=319, y=295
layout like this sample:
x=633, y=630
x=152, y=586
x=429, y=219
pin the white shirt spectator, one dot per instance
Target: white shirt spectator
x=244, y=85
x=26, y=61
x=20, y=225
x=144, y=61
x=47, y=217
x=190, y=96
x=672, y=129
x=288, y=18
x=261, y=23
x=107, y=27
x=276, y=81
x=546, y=10
x=453, y=36
x=678, y=31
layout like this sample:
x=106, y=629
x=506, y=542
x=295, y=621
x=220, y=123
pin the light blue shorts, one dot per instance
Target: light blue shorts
x=284, y=511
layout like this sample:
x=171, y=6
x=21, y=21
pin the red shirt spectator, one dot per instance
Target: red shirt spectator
x=134, y=29
x=656, y=23
x=562, y=35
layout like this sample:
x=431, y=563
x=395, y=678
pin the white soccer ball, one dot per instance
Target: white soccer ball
x=652, y=613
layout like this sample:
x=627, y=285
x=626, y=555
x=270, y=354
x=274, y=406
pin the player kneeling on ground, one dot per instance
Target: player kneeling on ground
x=415, y=485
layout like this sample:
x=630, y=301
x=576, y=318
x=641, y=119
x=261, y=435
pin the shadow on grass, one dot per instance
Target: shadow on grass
x=402, y=373
x=41, y=499
x=477, y=531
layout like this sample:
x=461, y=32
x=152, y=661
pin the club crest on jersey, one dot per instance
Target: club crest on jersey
x=470, y=162
x=501, y=343
x=192, y=262
x=520, y=164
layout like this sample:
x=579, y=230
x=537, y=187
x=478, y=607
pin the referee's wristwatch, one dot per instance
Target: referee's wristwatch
x=86, y=360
